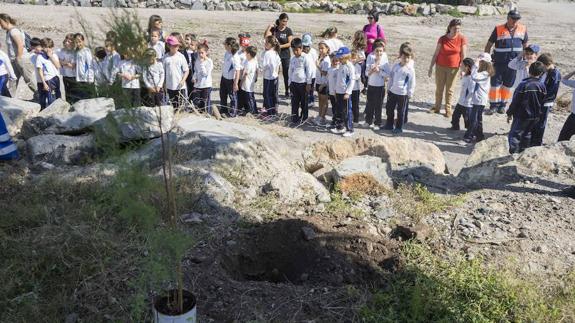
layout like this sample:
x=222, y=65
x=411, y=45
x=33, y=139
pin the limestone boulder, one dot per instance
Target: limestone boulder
x=137, y=123
x=15, y=112
x=370, y=166
x=467, y=10
x=60, y=150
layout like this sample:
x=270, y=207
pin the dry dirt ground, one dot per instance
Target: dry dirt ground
x=246, y=272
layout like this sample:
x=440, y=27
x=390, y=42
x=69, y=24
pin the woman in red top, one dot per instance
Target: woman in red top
x=449, y=54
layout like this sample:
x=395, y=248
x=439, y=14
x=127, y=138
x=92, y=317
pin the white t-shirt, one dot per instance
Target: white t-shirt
x=100, y=77
x=68, y=56
x=160, y=49
x=130, y=68
x=11, y=45
x=357, y=77
x=6, y=66
x=466, y=94
x=40, y=62
x=84, y=71
x=270, y=64
x=376, y=79
x=110, y=66
x=334, y=44
x=175, y=66
x=312, y=58
x=203, y=73
x=250, y=70
x=324, y=66
x=242, y=56
x=332, y=79
x=232, y=63
x=154, y=75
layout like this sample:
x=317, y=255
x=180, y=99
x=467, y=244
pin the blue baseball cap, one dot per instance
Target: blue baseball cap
x=342, y=51
x=534, y=48
x=306, y=40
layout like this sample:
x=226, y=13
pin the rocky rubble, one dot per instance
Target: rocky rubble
x=482, y=8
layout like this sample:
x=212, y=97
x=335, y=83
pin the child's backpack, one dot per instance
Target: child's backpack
x=27, y=39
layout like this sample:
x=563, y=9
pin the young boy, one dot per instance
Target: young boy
x=176, y=71
x=552, y=79
x=47, y=65
x=331, y=81
x=568, y=129
x=154, y=77
x=299, y=81
x=522, y=62
x=526, y=108
x=248, y=80
x=101, y=78
x=231, y=69
x=401, y=88
x=111, y=61
x=311, y=55
x=345, y=82
x=191, y=55
x=156, y=44
x=129, y=72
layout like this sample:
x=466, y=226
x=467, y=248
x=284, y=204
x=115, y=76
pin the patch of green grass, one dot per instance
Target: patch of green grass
x=431, y=289
x=417, y=202
x=339, y=206
x=455, y=13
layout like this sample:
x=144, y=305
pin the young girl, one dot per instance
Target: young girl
x=84, y=71
x=463, y=107
x=176, y=71
x=154, y=77
x=359, y=45
x=271, y=63
x=248, y=82
x=330, y=35
x=481, y=76
x=202, y=78
x=156, y=44
x=323, y=65
x=357, y=61
x=191, y=55
x=129, y=72
x=311, y=56
x=375, y=72
x=332, y=80
x=345, y=82
x=231, y=68
x=6, y=73
x=401, y=88
x=67, y=57
x=111, y=61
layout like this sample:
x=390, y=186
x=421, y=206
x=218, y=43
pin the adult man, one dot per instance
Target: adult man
x=509, y=39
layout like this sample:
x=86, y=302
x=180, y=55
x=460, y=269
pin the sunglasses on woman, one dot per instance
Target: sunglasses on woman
x=369, y=17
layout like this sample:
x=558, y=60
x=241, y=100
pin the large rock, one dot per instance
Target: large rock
x=59, y=150
x=364, y=166
x=486, y=10
x=467, y=10
x=57, y=107
x=15, y=112
x=251, y=159
x=403, y=154
x=84, y=115
x=138, y=123
x=491, y=163
x=443, y=8
x=211, y=191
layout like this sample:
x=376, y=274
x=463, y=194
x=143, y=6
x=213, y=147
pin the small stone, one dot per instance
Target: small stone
x=369, y=247
x=386, y=230
x=478, y=224
x=299, y=213
x=540, y=249
x=192, y=218
x=231, y=243
x=523, y=234
x=320, y=208
x=308, y=233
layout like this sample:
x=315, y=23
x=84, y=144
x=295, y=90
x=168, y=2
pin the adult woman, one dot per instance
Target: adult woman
x=18, y=54
x=331, y=39
x=372, y=31
x=284, y=35
x=155, y=23
x=449, y=54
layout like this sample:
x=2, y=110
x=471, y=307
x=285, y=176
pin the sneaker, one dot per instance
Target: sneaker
x=468, y=140
x=337, y=131
x=489, y=111
x=448, y=114
x=501, y=110
x=397, y=130
x=371, y=126
x=348, y=134
x=361, y=123
x=454, y=128
x=388, y=128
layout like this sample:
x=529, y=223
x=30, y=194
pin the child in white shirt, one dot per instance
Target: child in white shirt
x=6, y=74
x=299, y=81
x=401, y=88
x=67, y=57
x=154, y=77
x=332, y=80
x=101, y=79
x=231, y=69
x=323, y=64
x=247, y=100
x=375, y=73
x=84, y=71
x=129, y=73
x=156, y=44
x=46, y=65
x=111, y=61
x=344, y=85
x=357, y=59
x=271, y=65
x=312, y=56
x=481, y=75
x=464, y=106
x=176, y=72
x=202, y=79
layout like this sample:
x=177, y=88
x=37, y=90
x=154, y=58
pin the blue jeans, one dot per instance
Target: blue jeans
x=475, y=130
x=46, y=97
x=4, y=86
x=520, y=134
x=271, y=96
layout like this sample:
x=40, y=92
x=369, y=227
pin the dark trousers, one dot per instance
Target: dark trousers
x=46, y=97
x=192, y=92
x=203, y=99
x=70, y=88
x=4, y=86
x=298, y=101
x=539, y=128
x=344, y=112
x=333, y=103
x=568, y=129
x=475, y=130
x=227, y=91
x=133, y=97
x=520, y=134
x=374, y=106
x=285, y=73
x=311, y=96
x=177, y=98
x=355, y=105
x=154, y=99
x=459, y=112
x=399, y=103
x=247, y=102
x=271, y=96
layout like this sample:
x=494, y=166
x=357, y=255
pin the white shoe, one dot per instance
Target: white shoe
x=347, y=134
x=335, y=130
x=371, y=126
x=361, y=123
x=375, y=128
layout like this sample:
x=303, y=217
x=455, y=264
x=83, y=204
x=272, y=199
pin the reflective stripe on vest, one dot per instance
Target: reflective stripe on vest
x=508, y=44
